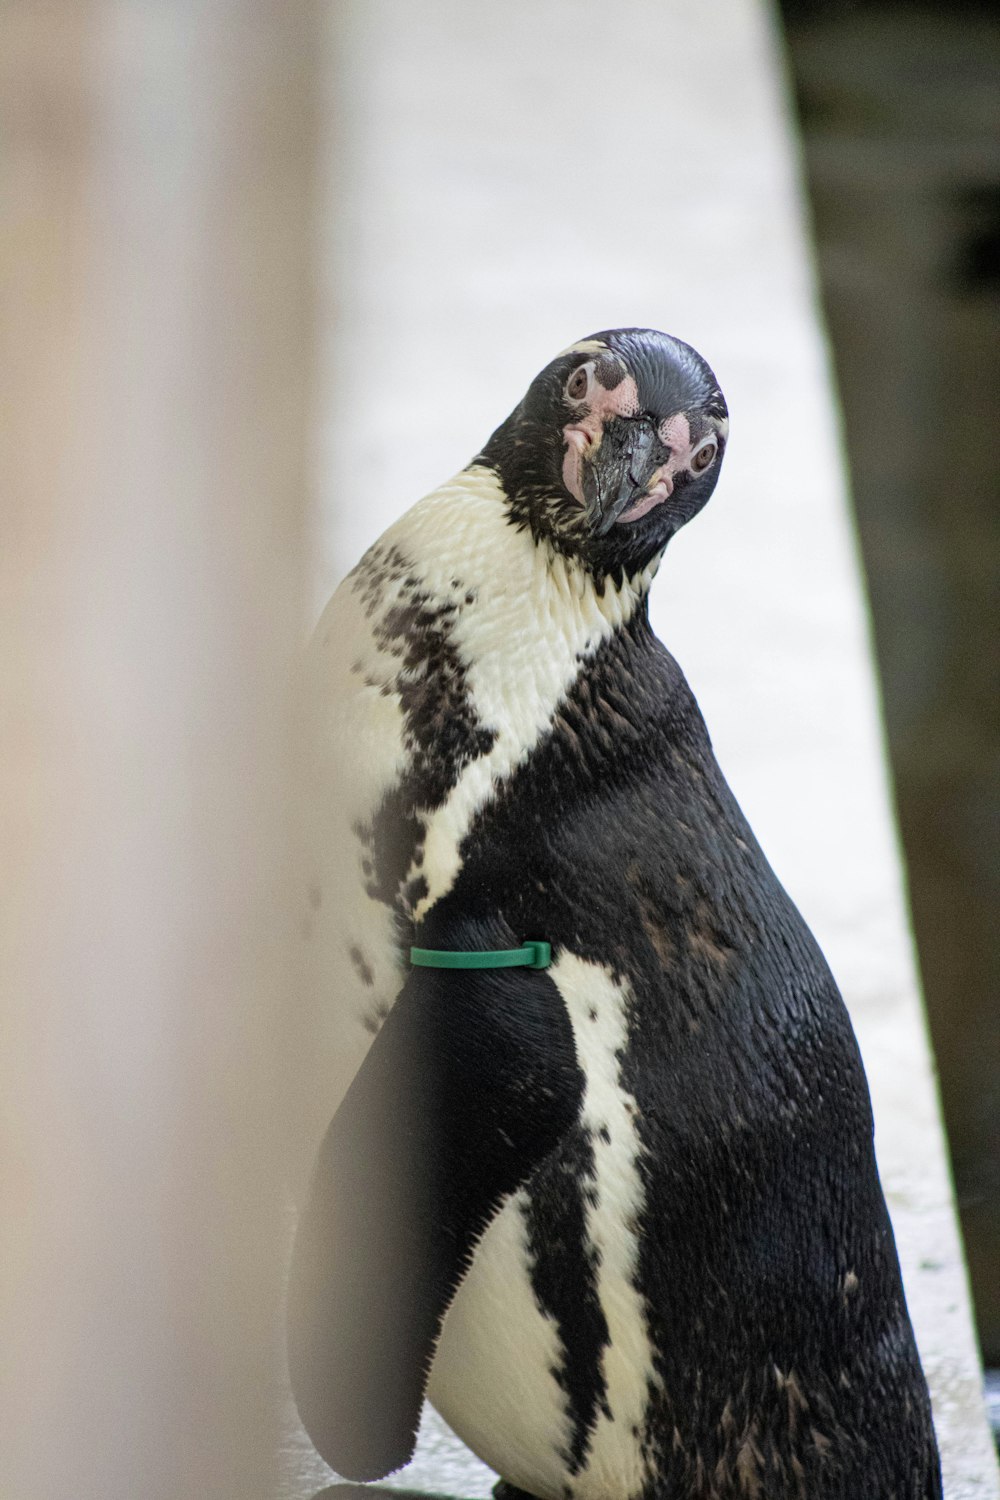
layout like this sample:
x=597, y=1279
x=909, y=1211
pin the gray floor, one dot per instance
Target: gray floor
x=506, y=179
x=442, y=1465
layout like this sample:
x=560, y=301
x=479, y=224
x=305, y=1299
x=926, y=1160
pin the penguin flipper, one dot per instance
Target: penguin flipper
x=470, y=1083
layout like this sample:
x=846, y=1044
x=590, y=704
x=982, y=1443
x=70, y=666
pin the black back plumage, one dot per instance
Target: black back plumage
x=768, y=1265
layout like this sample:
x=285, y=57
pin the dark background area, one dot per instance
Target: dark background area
x=900, y=115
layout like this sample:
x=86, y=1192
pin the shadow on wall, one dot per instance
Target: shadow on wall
x=902, y=146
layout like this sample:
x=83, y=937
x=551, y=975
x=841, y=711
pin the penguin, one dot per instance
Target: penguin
x=616, y=1216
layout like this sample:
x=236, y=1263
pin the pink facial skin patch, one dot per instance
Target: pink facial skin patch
x=675, y=434
x=583, y=439
x=647, y=502
x=583, y=434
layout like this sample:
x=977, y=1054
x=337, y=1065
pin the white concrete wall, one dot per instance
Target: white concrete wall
x=507, y=178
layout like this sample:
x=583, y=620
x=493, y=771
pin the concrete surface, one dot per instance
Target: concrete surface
x=506, y=179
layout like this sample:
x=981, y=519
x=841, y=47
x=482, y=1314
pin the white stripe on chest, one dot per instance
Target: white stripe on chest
x=494, y=1374
x=535, y=618
x=598, y=1009
x=521, y=620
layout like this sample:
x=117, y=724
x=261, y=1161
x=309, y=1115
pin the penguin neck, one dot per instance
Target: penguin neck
x=479, y=621
x=518, y=597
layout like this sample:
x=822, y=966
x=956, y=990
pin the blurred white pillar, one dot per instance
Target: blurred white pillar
x=155, y=201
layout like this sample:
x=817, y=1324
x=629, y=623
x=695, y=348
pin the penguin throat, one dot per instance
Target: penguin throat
x=617, y=593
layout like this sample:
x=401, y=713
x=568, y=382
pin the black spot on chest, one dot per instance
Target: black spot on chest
x=442, y=732
x=361, y=966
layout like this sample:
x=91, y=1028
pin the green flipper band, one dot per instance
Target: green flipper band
x=531, y=956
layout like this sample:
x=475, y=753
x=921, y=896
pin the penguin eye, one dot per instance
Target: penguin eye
x=578, y=383
x=704, y=456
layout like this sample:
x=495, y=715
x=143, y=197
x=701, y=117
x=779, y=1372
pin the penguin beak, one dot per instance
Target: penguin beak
x=620, y=471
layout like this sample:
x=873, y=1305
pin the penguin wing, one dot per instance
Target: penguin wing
x=471, y=1082
x=353, y=732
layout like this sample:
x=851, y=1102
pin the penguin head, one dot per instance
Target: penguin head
x=616, y=444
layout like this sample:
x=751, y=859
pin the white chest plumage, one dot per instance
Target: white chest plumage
x=510, y=623
x=495, y=1374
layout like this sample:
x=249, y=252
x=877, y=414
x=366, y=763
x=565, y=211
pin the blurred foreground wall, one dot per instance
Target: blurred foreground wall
x=156, y=297
x=900, y=111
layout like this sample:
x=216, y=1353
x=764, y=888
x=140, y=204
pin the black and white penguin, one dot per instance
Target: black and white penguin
x=618, y=1218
